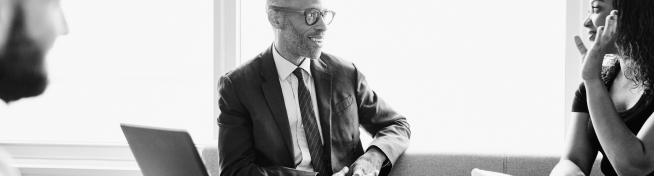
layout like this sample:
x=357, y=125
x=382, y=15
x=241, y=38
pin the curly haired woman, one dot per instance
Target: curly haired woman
x=612, y=107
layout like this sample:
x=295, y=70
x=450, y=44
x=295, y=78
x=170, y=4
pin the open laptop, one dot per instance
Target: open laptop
x=164, y=152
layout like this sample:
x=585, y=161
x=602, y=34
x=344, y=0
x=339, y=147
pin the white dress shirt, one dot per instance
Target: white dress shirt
x=289, y=84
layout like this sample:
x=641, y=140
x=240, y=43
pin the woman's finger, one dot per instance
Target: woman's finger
x=580, y=45
x=614, y=20
x=610, y=23
x=600, y=33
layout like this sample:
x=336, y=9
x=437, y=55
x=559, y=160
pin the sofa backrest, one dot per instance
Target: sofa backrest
x=446, y=164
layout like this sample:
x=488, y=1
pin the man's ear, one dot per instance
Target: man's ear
x=7, y=8
x=276, y=19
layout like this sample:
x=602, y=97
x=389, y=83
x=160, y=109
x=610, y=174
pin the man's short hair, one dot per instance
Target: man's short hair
x=22, y=71
x=277, y=2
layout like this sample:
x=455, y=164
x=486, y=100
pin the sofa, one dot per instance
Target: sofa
x=446, y=164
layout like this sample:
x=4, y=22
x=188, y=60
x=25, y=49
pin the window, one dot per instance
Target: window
x=143, y=62
x=474, y=76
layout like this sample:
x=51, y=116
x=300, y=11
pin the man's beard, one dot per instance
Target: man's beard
x=21, y=64
x=297, y=44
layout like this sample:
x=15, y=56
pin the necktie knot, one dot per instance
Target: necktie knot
x=298, y=73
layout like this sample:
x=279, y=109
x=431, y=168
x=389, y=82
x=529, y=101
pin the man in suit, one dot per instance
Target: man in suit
x=294, y=110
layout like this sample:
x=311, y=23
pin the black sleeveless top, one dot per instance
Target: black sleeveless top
x=634, y=117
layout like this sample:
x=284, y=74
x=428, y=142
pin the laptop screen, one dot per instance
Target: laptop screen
x=163, y=152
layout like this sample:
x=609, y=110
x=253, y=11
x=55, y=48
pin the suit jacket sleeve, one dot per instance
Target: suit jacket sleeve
x=390, y=130
x=235, y=140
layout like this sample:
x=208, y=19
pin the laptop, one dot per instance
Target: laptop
x=164, y=152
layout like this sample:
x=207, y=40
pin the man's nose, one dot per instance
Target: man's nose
x=320, y=25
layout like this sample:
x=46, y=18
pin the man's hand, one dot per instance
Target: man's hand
x=342, y=172
x=369, y=163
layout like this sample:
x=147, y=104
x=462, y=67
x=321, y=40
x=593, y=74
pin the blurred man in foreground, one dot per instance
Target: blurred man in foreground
x=28, y=29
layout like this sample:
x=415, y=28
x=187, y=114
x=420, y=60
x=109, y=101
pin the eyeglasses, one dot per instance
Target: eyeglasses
x=311, y=15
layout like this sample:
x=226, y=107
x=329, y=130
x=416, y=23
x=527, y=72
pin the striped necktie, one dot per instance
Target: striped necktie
x=311, y=131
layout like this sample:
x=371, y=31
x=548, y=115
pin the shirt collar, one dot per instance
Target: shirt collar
x=285, y=68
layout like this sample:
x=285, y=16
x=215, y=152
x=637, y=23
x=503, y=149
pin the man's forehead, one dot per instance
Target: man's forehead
x=305, y=4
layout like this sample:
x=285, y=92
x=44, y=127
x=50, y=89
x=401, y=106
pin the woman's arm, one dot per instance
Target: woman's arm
x=629, y=154
x=578, y=154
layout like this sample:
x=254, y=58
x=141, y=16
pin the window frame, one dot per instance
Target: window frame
x=227, y=41
x=572, y=56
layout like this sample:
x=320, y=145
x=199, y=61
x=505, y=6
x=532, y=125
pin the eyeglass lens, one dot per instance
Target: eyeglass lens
x=312, y=16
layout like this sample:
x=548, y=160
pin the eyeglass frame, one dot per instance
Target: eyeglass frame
x=305, y=12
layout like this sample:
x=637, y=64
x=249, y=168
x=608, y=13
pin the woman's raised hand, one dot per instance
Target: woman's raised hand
x=606, y=34
x=592, y=64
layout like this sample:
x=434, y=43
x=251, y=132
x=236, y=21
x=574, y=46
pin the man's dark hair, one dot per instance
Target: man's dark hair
x=22, y=73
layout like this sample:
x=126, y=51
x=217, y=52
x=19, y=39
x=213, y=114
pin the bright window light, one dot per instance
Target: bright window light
x=146, y=62
x=471, y=76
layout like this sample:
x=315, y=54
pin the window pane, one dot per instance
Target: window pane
x=471, y=76
x=145, y=62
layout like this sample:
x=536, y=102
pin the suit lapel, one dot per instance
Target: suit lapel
x=273, y=92
x=323, y=84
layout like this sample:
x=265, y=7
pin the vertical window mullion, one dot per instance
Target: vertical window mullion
x=227, y=45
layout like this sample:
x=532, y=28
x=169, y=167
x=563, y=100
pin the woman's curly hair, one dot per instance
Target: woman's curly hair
x=635, y=40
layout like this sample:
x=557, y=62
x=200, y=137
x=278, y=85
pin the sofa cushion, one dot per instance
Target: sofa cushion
x=445, y=164
x=210, y=157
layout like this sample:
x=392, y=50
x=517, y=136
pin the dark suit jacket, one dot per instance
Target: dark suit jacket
x=254, y=135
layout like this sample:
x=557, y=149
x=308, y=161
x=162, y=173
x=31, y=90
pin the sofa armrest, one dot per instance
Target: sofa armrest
x=445, y=163
x=210, y=157
x=540, y=165
x=462, y=164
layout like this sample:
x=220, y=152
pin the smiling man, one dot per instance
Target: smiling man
x=295, y=110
